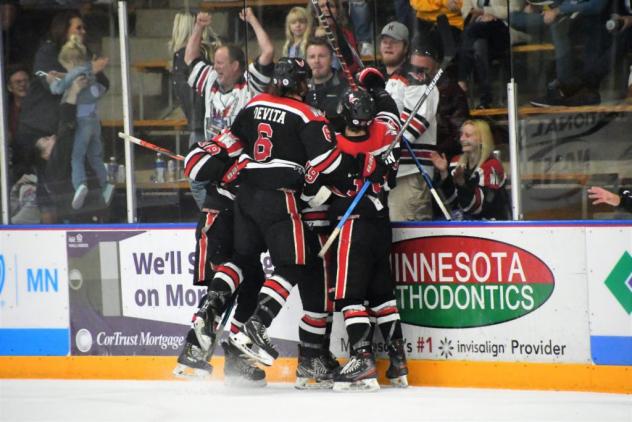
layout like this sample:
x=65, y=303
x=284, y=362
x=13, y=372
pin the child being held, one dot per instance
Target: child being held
x=298, y=28
x=87, y=144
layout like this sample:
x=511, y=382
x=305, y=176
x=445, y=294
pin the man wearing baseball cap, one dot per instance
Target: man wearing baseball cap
x=394, y=44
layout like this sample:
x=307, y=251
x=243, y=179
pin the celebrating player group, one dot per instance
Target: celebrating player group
x=278, y=176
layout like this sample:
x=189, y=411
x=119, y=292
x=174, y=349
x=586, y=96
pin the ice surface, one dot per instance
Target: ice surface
x=138, y=401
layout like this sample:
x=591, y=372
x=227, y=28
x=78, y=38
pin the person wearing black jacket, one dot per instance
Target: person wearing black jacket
x=40, y=109
x=51, y=157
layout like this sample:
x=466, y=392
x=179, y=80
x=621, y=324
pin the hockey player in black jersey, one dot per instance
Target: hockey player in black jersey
x=281, y=136
x=364, y=286
x=215, y=162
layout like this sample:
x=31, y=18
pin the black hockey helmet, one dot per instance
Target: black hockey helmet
x=357, y=108
x=289, y=73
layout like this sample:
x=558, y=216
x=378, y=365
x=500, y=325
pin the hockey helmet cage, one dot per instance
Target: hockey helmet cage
x=357, y=108
x=289, y=72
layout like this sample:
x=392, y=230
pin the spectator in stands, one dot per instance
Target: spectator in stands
x=40, y=110
x=485, y=37
x=473, y=184
x=360, y=14
x=620, y=30
x=404, y=13
x=192, y=105
x=568, y=22
x=18, y=36
x=298, y=29
x=87, y=145
x=602, y=196
x=51, y=155
x=427, y=12
x=394, y=42
x=338, y=22
x=225, y=85
x=411, y=199
x=17, y=87
x=325, y=86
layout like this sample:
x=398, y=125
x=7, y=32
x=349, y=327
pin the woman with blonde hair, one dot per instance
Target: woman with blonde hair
x=192, y=105
x=474, y=182
x=298, y=28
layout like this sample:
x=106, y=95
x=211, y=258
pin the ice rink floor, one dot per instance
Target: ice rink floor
x=117, y=401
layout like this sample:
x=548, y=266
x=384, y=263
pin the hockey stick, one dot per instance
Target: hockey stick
x=449, y=49
x=333, y=42
x=222, y=324
x=150, y=146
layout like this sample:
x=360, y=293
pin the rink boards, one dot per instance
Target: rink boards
x=544, y=305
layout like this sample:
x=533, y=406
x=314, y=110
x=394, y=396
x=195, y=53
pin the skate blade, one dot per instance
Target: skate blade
x=192, y=374
x=399, y=382
x=313, y=384
x=365, y=386
x=243, y=343
x=204, y=340
x=239, y=382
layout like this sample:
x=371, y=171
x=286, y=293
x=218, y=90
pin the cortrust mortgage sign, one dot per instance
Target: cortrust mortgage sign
x=461, y=281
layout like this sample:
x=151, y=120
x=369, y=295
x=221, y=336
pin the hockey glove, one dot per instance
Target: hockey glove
x=371, y=79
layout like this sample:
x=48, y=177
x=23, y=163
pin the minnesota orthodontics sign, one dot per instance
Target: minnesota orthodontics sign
x=461, y=281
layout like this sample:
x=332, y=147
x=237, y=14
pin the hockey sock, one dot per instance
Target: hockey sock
x=358, y=326
x=387, y=319
x=272, y=298
x=312, y=329
x=227, y=277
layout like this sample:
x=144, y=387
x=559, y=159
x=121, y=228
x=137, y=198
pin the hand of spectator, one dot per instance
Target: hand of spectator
x=440, y=163
x=454, y=5
x=320, y=32
x=459, y=176
x=247, y=15
x=98, y=64
x=627, y=22
x=77, y=85
x=475, y=13
x=550, y=15
x=529, y=8
x=602, y=196
x=203, y=20
x=54, y=75
x=486, y=18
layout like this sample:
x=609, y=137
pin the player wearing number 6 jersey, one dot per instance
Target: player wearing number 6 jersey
x=281, y=136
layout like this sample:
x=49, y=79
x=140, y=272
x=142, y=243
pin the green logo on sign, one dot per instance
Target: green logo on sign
x=619, y=282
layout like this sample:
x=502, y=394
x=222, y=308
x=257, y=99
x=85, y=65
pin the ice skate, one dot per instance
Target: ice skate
x=192, y=363
x=397, y=372
x=359, y=374
x=315, y=370
x=239, y=371
x=204, y=320
x=255, y=334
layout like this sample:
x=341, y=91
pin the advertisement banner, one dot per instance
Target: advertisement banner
x=131, y=293
x=490, y=293
x=33, y=293
x=610, y=287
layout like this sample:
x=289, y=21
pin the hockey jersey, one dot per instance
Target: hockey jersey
x=366, y=151
x=221, y=108
x=421, y=133
x=215, y=161
x=281, y=136
x=483, y=197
